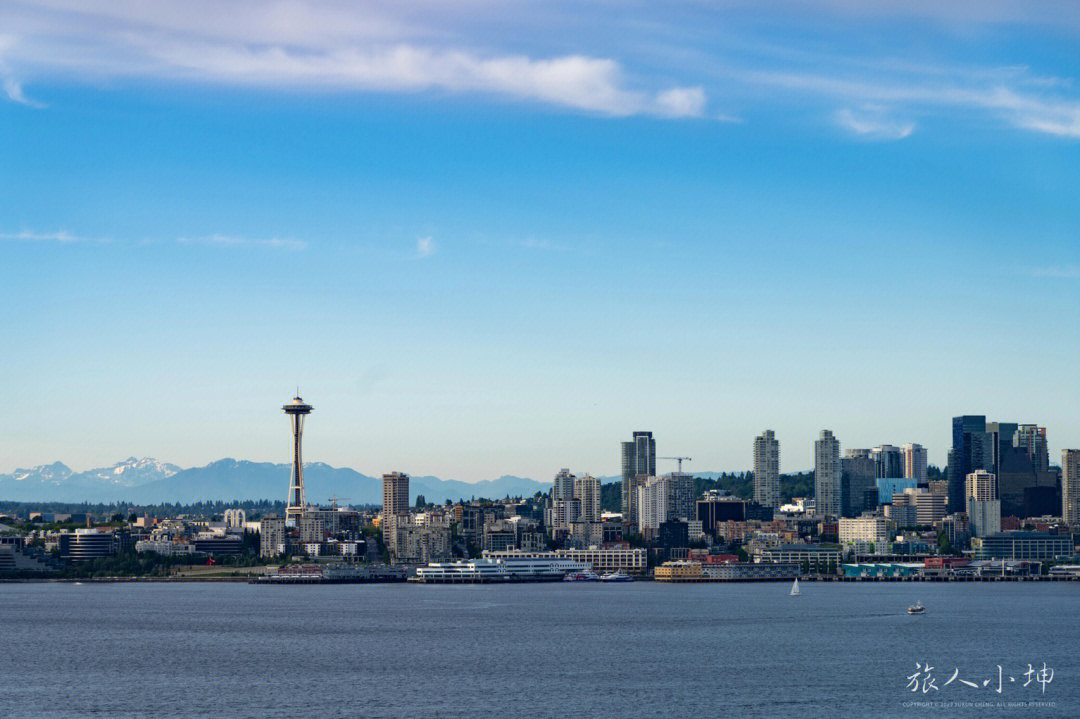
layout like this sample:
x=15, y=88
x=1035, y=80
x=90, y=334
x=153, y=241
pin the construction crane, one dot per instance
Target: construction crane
x=333, y=501
x=680, y=460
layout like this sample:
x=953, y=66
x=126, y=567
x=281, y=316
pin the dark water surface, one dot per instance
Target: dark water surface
x=551, y=650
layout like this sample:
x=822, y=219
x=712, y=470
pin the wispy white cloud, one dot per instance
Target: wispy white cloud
x=284, y=243
x=1051, y=114
x=425, y=247
x=873, y=124
x=62, y=236
x=437, y=47
x=324, y=46
x=68, y=238
x=12, y=87
x=682, y=102
x=14, y=91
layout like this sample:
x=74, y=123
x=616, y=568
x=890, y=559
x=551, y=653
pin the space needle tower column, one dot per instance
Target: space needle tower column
x=296, y=410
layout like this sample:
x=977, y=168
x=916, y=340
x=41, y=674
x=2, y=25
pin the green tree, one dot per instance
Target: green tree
x=944, y=545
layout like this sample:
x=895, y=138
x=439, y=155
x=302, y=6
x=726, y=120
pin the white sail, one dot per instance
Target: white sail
x=795, y=588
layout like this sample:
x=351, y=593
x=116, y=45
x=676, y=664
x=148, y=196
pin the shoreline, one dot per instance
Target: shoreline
x=247, y=579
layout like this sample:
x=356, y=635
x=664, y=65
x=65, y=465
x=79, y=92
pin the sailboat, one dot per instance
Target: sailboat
x=795, y=588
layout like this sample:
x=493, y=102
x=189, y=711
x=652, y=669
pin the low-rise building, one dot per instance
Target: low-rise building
x=882, y=569
x=744, y=572
x=1038, y=546
x=87, y=544
x=866, y=530
x=423, y=544
x=678, y=571
x=211, y=543
x=813, y=554
x=235, y=518
x=164, y=546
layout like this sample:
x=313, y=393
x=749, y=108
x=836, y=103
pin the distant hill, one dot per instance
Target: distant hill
x=148, y=481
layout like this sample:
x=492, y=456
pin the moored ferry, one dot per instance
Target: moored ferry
x=500, y=570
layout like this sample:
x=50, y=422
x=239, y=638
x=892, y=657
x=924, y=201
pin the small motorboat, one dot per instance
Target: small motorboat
x=916, y=608
x=616, y=577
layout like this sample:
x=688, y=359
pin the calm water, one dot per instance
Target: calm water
x=555, y=650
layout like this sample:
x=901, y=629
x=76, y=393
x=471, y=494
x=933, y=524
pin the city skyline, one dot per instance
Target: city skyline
x=634, y=330
x=830, y=215
x=638, y=457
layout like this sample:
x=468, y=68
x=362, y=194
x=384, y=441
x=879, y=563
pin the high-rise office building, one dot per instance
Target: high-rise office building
x=828, y=475
x=1030, y=439
x=1017, y=456
x=661, y=499
x=984, y=517
x=1021, y=464
x=297, y=410
x=652, y=504
x=929, y=508
x=858, y=482
x=767, y=469
x=1002, y=435
x=587, y=492
x=972, y=449
x=1070, y=485
x=564, y=512
x=681, y=496
x=889, y=461
x=914, y=457
x=564, y=486
x=638, y=462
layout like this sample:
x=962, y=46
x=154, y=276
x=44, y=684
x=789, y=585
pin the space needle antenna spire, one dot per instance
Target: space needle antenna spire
x=297, y=409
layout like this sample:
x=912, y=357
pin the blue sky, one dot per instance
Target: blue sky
x=498, y=238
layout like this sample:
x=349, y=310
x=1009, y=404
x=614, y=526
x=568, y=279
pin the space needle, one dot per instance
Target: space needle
x=297, y=410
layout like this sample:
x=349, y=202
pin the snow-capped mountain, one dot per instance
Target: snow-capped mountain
x=43, y=474
x=57, y=483
x=131, y=472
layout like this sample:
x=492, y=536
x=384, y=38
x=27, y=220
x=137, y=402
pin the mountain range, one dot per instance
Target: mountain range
x=147, y=481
